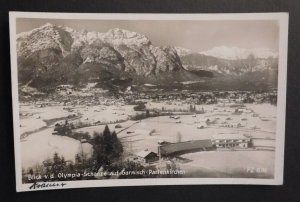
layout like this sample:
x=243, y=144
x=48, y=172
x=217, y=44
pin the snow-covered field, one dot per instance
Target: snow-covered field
x=229, y=163
x=42, y=145
x=32, y=118
x=143, y=134
x=45, y=113
x=185, y=128
x=105, y=114
x=31, y=124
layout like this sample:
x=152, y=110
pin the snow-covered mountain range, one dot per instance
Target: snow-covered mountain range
x=235, y=53
x=57, y=54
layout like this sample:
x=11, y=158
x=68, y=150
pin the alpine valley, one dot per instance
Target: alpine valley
x=115, y=105
x=52, y=55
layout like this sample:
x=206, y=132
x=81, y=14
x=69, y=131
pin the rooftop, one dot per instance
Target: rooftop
x=144, y=153
x=229, y=136
x=185, y=146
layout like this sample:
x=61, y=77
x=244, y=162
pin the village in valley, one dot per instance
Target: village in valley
x=197, y=133
x=115, y=98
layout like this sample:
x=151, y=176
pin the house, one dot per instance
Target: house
x=147, y=156
x=231, y=125
x=231, y=141
x=241, y=110
x=226, y=124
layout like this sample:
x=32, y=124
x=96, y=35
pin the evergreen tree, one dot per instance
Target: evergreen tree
x=56, y=159
x=102, y=147
x=107, y=140
x=56, y=165
x=30, y=171
x=63, y=162
x=99, y=153
x=107, y=147
x=77, y=159
x=117, y=145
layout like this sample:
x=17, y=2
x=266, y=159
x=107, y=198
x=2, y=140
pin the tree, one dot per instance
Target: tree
x=117, y=146
x=31, y=171
x=62, y=160
x=56, y=158
x=107, y=141
x=147, y=113
x=57, y=165
x=99, y=150
x=107, y=148
x=192, y=108
x=54, y=166
x=77, y=159
x=63, y=129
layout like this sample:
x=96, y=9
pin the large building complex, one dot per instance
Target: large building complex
x=231, y=141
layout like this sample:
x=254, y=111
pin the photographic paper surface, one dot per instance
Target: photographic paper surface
x=148, y=99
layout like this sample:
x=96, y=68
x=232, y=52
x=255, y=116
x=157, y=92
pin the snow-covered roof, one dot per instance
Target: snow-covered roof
x=144, y=153
x=230, y=136
x=185, y=146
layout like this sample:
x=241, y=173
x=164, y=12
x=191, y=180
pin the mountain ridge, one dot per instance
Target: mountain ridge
x=234, y=53
x=59, y=54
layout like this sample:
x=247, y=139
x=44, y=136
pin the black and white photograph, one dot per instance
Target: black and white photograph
x=148, y=99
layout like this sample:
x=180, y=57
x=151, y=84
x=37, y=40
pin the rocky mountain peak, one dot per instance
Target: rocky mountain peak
x=182, y=51
x=119, y=36
x=48, y=36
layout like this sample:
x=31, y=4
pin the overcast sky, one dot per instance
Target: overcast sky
x=194, y=35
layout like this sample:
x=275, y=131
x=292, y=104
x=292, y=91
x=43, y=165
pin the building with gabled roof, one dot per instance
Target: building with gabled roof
x=146, y=156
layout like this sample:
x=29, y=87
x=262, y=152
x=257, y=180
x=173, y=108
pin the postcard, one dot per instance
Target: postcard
x=105, y=100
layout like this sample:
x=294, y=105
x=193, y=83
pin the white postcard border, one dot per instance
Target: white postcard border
x=282, y=19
